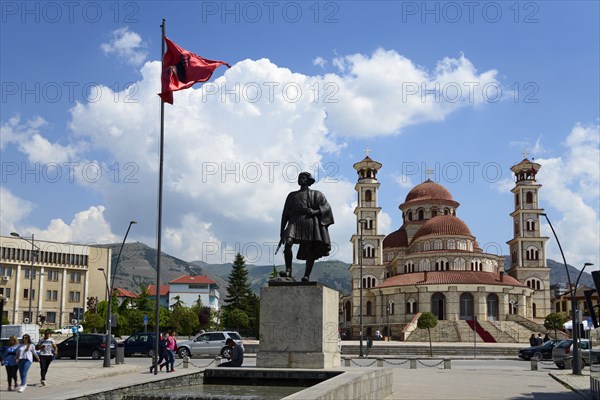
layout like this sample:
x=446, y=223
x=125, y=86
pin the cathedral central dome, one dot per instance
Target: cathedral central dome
x=443, y=225
x=428, y=190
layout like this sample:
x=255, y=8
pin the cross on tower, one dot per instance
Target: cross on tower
x=429, y=171
x=524, y=153
x=367, y=151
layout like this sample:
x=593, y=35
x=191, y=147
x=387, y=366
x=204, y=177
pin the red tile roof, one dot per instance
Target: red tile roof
x=449, y=277
x=443, y=225
x=187, y=279
x=120, y=292
x=398, y=238
x=164, y=290
x=428, y=192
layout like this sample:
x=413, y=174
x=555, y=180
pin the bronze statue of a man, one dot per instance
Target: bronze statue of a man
x=305, y=220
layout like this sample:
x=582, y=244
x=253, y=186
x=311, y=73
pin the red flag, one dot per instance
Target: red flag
x=182, y=69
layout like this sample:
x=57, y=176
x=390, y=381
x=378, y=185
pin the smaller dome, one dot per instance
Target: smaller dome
x=398, y=238
x=429, y=191
x=443, y=225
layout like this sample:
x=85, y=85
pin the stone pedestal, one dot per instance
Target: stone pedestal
x=298, y=326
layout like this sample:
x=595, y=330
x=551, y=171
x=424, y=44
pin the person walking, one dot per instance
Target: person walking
x=172, y=347
x=170, y=356
x=48, y=351
x=25, y=356
x=9, y=360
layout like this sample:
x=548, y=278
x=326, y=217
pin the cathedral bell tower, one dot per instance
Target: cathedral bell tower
x=528, y=247
x=368, y=211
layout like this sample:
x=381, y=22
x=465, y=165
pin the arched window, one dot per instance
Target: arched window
x=369, y=251
x=410, y=215
x=530, y=225
x=368, y=195
x=534, y=283
x=437, y=245
x=492, y=307
x=411, y=306
x=459, y=264
x=517, y=200
x=466, y=306
x=421, y=215
x=438, y=305
x=434, y=212
x=512, y=307
x=462, y=245
x=348, y=311
x=446, y=211
x=529, y=197
x=409, y=267
x=469, y=245
x=441, y=264
x=369, y=308
x=532, y=253
x=451, y=244
x=426, y=246
x=533, y=310
x=424, y=265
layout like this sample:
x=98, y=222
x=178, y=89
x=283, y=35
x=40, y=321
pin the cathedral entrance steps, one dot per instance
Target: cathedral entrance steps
x=444, y=331
x=483, y=334
x=460, y=331
x=407, y=350
x=500, y=335
x=526, y=327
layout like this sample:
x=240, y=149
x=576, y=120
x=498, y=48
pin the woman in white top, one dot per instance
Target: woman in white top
x=48, y=351
x=25, y=356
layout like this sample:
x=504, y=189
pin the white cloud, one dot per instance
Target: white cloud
x=234, y=147
x=127, y=45
x=571, y=187
x=320, y=61
x=404, y=181
x=13, y=210
x=386, y=92
x=30, y=141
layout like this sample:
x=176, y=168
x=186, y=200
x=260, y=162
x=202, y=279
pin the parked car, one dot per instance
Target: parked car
x=539, y=353
x=209, y=343
x=142, y=343
x=90, y=345
x=564, y=351
x=68, y=330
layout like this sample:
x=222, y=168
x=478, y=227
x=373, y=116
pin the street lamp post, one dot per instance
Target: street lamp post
x=31, y=256
x=360, y=258
x=109, y=307
x=576, y=363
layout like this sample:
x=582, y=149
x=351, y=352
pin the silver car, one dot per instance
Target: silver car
x=208, y=343
x=564, y=351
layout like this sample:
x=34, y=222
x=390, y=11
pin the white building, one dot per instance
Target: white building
x=189, y=288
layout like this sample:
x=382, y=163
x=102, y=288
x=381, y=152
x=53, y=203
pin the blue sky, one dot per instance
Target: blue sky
x=312, y=84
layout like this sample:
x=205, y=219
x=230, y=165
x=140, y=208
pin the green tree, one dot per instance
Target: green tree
x=427, y=320
x=178, y=303
x=185, y=321
x=236, y=318
x=238, y=288
x=274, y=273
x=555, y=322
x=93, y=322
x=143, y=301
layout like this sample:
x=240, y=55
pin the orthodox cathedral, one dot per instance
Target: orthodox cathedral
x=434, y=263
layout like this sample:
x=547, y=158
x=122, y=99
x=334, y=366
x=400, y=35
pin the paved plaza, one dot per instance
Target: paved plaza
x=69, y=378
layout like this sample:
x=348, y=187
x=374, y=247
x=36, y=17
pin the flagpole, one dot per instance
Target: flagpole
x=159, y=223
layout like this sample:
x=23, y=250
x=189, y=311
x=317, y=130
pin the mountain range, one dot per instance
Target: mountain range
x=137, y=266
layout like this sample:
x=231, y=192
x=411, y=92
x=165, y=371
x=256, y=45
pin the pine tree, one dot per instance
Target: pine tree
x=239, y=294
